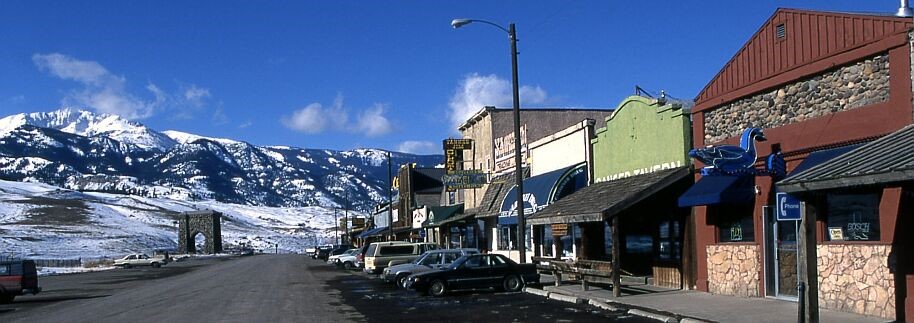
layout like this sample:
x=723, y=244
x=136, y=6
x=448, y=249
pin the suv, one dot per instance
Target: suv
x=433, y=259
x=380, y=254
x=17, y=277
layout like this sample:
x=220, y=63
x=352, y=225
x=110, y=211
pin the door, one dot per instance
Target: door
x=473, y=273
x=781, y=256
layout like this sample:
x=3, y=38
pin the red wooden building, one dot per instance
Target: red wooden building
x=819, y=84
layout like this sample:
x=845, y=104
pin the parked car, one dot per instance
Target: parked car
x=310, y=251
x=17, y=277
x=335, y=259
x=360, y=257
x=475, y=272
x=140, y=260
x=319, y=249
x=430, y=260
x=336, y=249
x=380, y=254
x=351, y=261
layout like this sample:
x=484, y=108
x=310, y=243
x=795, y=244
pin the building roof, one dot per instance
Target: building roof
x=885, y=160
x=497, y=189
x=808, y=36
x=427, y=180
x=605, y=199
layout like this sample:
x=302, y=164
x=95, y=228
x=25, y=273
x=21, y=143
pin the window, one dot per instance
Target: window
x=496, y=261
x=670, y=237
x=781, y=31
x=607, y=238
x=450, y=257
x=546, y=239
x=853, y=217
x=432, y=259
x=396, y=250
x=4, y=270
x=507, y=237
x=474, y=262
x=734, y=222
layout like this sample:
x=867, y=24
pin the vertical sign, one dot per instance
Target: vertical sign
x=453, y=157
x=788, y=207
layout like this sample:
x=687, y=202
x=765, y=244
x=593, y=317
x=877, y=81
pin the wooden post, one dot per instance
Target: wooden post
x=806, y=263
x=617, y=250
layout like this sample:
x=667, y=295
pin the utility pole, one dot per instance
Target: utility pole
x=348, y=241
x=336, y=225
x=390, y=200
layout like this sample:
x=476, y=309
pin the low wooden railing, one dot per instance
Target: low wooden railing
x=587, y=271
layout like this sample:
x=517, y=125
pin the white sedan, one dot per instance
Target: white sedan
x=139, y=260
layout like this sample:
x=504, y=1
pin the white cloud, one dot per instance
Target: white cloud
x=246, y=124
x=316, y=118
x=102, y=90
x=372, y=122
x=476, y=91
x=420, y=147
x=195, y=95
x=219, y=118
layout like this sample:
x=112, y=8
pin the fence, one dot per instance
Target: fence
x=59, y=263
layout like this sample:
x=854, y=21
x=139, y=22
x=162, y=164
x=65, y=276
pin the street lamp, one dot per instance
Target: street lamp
x=518, y=169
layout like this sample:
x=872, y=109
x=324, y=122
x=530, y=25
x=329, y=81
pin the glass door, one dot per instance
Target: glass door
x=781, y=256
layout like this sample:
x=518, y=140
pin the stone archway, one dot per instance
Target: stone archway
x=207, y=223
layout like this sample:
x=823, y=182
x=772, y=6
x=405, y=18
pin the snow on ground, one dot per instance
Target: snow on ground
x=46, y=222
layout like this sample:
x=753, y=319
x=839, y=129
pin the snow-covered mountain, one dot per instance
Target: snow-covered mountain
x=88, y=124
x=84, y=151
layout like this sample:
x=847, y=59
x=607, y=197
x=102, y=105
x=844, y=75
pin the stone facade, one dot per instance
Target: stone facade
x=856, y=278
x=207, y=223
x=853, y=86
x=734, y=270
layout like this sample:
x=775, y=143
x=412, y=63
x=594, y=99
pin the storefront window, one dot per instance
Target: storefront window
x=546, y=240
x=853, y=217
x=507, y=237
x=670, y=237
x=471, y=237
x=607, y=238
x=734, y=223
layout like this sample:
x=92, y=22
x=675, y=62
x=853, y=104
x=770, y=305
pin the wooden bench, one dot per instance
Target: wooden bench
x=587, y=271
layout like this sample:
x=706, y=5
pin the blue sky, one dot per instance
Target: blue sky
x=353, y=74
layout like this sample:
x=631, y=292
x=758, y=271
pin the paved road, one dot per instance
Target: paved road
x=270, y=288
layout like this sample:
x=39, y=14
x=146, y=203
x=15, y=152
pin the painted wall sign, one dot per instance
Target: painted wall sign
x=464, y=179
x=788, y=207
x=640, y=171
x=504, y=150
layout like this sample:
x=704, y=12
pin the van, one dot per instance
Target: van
x=18, y=277
x=380, y=254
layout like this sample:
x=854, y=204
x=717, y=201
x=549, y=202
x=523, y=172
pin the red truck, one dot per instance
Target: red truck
x=17, y=277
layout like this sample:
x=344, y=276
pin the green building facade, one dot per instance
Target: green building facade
x=642, y=136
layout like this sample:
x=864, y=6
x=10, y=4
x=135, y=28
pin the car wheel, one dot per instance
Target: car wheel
x=513, y=283
x=437, y=288
x=347, y=265
x=401, y=280
x=156, y=265
x=6, y=298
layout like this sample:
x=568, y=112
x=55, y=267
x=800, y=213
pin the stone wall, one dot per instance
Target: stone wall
x=734, y=270
x=852, y=86
x=856, y=278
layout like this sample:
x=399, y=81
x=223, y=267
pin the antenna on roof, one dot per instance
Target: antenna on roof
x=904, y=10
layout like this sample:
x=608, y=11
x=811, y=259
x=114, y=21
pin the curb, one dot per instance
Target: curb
x=662, y=318
x=565, y=298
x=536, y=291
x=602, y=305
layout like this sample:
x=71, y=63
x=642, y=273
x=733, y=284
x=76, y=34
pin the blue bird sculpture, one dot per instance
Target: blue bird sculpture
x=731, y=158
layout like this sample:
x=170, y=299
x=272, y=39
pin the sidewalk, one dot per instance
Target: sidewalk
x=699, y=305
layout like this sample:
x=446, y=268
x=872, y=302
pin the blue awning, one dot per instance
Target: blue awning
x=541, y=190
x=371, y=232
x=719, y=189
x=818, y=157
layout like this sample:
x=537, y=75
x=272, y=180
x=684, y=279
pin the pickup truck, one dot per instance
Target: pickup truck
x=17, y=277
x=140, y=260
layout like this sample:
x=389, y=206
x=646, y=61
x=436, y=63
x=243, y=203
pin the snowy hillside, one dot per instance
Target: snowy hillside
x=83, y=151
x=43, y=221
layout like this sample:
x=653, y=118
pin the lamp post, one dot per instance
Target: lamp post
x=518, y=169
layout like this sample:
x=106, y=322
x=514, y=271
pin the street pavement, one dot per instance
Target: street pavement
x=272, y=288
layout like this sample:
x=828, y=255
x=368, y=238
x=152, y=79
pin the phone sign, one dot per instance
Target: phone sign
x=788, y=207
